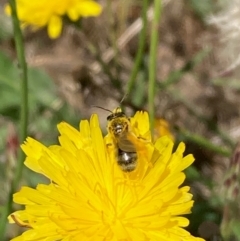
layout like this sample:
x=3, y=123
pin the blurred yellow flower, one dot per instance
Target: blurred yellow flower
x=41, y=13
x=90, y=198
x=162, y=128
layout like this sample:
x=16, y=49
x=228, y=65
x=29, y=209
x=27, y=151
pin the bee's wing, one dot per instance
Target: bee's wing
x=125, y=145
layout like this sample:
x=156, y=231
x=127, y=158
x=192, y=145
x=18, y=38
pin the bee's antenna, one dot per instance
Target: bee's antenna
x=102, y=108
x=123, y=98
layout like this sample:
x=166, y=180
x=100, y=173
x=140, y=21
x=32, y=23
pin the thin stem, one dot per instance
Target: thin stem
x=24, y=87
x=175, y=76
x=210, y=124
x=113, y=35
x=24, y=113
x=141, y=46
x=203, y=142
x=153, y=57
x=116, y=83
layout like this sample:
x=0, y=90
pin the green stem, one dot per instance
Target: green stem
x=210, y=124
x=153, y=57
x=24, y=113
x=175, y=76
x=24, y=88
x=203, y=142
x=113, y=35
x=141, y=47
x=116, y=83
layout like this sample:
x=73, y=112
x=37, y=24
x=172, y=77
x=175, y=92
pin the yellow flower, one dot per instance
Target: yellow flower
x=90, y=198
x=162, y=128
x=41, y=13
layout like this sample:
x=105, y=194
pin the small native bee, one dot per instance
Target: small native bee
x=118, y=127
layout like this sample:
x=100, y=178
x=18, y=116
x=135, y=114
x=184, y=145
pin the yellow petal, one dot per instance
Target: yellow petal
x=73, y=14
x=54, y=27
x=89, y=8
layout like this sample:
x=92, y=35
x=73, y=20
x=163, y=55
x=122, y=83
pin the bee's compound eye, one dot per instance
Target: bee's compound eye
x=110, y=117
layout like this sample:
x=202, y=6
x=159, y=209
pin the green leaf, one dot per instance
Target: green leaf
x=41, y=88
x=202, y=8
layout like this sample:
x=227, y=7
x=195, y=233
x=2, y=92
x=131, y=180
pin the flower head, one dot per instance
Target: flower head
x=41, y=13
x=91, y=198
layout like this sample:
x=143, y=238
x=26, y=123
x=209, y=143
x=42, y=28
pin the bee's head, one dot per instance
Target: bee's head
x=118, y=126
x=116, y=113
x=118, y=122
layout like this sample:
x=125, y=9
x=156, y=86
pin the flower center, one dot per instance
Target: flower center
x=109, y=218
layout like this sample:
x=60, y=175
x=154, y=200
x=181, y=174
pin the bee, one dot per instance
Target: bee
x=119, y=127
